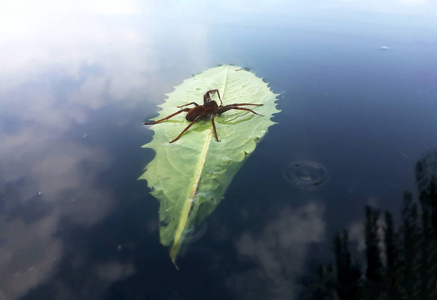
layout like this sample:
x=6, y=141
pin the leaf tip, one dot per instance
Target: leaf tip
x=174, y=263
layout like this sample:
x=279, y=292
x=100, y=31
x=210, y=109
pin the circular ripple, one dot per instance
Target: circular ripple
x=306, y=174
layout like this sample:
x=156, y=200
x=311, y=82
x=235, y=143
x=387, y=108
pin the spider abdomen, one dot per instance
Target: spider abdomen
x=194, y=113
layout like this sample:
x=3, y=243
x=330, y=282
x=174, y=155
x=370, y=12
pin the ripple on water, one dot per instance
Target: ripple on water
x=306, y=174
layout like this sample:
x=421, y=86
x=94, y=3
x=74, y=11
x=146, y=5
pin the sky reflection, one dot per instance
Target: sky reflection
x=78, y=78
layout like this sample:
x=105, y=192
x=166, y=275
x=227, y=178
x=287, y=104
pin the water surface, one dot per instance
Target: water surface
x=358, y=94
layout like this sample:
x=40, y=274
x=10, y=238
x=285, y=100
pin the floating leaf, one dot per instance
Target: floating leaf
x=190, y=176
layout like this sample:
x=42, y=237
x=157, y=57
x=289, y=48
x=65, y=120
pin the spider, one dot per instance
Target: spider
x=210, y=108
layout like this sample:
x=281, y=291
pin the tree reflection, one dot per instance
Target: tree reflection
x=400, y=263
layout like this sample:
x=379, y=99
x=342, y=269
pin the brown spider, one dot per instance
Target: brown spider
x=208, y=109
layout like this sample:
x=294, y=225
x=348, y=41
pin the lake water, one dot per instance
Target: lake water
x=356, y=134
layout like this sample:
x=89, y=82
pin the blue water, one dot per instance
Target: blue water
x=358, y=95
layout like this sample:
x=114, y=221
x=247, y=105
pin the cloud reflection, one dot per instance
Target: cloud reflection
x=279, y=253
x=62, y=179
x=54, y=78
x=29, y=254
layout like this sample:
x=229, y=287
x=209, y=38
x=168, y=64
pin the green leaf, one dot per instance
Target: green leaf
x=190, y=176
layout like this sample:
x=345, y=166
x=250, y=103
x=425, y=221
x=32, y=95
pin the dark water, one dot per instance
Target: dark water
x=358, y=89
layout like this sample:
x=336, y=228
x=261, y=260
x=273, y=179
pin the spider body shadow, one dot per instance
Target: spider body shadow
x=210, y=108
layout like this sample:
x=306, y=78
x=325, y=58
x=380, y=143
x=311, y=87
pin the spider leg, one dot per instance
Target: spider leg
x=186, y=128
x=188, y=104
x=213, y=127
x=212, y=91
x=239, y=104
x=166, y=118
x=228, y=107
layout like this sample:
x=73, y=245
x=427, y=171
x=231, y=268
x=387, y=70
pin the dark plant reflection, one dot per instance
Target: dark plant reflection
x=400, y=262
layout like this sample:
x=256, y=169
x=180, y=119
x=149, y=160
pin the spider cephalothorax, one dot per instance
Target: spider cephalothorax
x=210, y=108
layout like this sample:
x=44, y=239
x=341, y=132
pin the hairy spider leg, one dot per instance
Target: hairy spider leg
x=207, y=95
x=188, y=104
x=186, y=128
x=213, y=127
x=166, y=118
x=228, y=107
